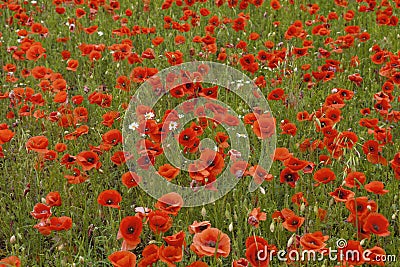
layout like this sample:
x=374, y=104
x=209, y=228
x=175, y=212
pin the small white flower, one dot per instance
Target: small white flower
x=133, y=126
x=180, y=116
x=173, y=125
x=149, y=115
x=100, y=33
x=241, y=135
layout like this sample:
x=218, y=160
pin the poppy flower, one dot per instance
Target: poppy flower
x=342, y=195
x=359, y=208
x=238, y=168
x=187, y=137
x=242, y=262
x=295, y=164
x=5, y=136
x=211, y=242
x=377, y=224
x=168, y=171
x=60, y=223
x=289, y=176
x=130, y=229
x=41, y=211
x=109, y=198
x=197, y=227
x=376, y=187
x=177, y=240
x=277, y=94
x=313, y=241
x=159, y=221
x=88, y=160
x=170, y=254
x=120, y=157
x=12, y=261
x=170, y=203
x=122, y=259
x=264, y=126
x=259, y=174
x=38, y=144
x=292, y=222
x=256, y=216
x=350, y=180
x=145, y=161
x=53, y=199
x=299, y=199
x=77, y=177
x=130, y=179
x=198, y=264
x=212, y=161
x=376, y=256
x=352, y=248
x=324, y=176
x=282, y=154
x=258, y=251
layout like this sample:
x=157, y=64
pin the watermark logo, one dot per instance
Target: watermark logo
x=342, y=253
x=161, y=92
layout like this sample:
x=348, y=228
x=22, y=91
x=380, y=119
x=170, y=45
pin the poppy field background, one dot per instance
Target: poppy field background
x=330, y=71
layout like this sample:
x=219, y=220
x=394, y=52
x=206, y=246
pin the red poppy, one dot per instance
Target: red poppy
x=38, y=144
x=376, y=187
x=259, y=174
x=377, y=224
x=88, y=160
x=264, y=126
x=53, y=199
x=256, y=216
x=198, y=264
x=360, y=207
x=187, y=137
x=131, y=179
x=258, y=251
x=12, y=261
x=109, y=198
x=324, y=176
x=352, y=249
x=242, y=262
x=313, y=241
x=350, y=180
x=177, y=240
x=159, y=221
x=299, y=199
x=168, y=171
x=282, y=154
x=290, y=177
x=122, y=259
x=6, y=135
x=170, y=254
x=211, y=242
x=41, y=211
x=170, y=203
x=130, y=229
x=197, y=227
x=295, y=164
x=292, y=221
x=60, y=223
x=342, y=195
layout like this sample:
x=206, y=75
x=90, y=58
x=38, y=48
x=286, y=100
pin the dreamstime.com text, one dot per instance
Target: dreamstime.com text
x=327, y=253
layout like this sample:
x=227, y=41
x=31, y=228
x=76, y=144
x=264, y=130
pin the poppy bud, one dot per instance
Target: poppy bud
x=272, y=227
x=203, y=212
x=290, y=241
x=302, y=207
x=13, y=239
x=230, y=228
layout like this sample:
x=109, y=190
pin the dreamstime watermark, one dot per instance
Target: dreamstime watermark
x=340, y=254
x=162, y=91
